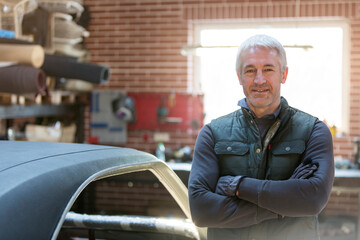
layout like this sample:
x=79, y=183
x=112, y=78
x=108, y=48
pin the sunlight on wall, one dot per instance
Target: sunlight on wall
x=315, y=75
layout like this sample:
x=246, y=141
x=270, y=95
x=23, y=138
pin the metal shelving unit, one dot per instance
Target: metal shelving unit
x=45, y=110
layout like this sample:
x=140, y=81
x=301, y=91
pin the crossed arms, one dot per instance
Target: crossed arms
x=213, y=202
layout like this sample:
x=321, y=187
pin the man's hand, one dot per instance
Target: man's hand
x=228, y=185
x=305, y=170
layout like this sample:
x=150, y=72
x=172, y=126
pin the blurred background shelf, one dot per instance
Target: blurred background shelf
x=73, y=110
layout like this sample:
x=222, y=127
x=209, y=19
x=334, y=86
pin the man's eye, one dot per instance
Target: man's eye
x=268, y=70
x=250, y=71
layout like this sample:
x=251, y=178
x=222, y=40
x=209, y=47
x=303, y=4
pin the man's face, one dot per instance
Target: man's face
x=261, y=79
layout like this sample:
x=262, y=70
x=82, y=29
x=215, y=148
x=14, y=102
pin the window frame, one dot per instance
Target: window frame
x=199, y=25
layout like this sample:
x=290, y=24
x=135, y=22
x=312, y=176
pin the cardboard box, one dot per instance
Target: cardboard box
x=57, y=133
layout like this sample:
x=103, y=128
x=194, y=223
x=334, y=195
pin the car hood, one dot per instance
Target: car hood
x=40, y=181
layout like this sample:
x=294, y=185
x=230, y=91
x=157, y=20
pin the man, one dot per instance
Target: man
x=266, y=170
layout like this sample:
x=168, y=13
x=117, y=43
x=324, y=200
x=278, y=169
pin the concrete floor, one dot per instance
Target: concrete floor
x=338, y=228
x=343, y=237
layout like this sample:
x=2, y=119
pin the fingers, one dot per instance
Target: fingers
x=304, y=171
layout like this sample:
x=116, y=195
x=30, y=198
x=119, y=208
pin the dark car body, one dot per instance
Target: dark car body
x=40, y=181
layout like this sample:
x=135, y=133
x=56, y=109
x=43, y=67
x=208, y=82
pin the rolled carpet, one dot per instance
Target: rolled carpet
x=32, y=55
x=20, y=79
x=66, y=67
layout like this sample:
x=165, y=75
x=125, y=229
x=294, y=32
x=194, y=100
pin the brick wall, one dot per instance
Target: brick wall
x=138, y=193
x=141, y=40
x=342, y=204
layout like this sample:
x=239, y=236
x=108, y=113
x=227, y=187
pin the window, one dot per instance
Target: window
x=317, y=77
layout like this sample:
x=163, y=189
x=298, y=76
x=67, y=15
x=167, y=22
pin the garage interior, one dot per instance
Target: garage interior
x=125, y=73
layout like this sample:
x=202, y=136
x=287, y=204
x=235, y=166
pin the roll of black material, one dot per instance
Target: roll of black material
x=66, y=67
x=54, y=58
x=20, y=79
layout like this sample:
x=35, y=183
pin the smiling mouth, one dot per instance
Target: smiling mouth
x=260, y=90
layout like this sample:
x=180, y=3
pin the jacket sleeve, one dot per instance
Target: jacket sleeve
x=209, y=209
x=297, y=197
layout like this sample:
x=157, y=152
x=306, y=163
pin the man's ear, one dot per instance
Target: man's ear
x=284, y=75
x=239, y=77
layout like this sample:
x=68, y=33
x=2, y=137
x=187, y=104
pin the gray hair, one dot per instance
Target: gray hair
x=261, y=41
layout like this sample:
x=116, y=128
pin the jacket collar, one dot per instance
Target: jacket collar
x=283, y=104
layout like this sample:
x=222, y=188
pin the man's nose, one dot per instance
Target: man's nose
x=259, y=78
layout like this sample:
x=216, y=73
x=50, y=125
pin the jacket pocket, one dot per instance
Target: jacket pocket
x=284, y=158
x=233, y=157
x=233, y=148
x=292, y=147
